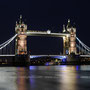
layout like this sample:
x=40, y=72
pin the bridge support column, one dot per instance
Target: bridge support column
x=22, y=60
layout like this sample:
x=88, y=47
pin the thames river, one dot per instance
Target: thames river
x=61, y=77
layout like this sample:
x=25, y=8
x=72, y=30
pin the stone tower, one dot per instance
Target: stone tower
x=21, y=42
x=69, y=42
x=72, y=38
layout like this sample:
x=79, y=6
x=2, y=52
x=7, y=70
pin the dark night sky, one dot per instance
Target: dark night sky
x=43, y=15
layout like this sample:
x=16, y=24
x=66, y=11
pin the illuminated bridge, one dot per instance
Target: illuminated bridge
x=17, y=45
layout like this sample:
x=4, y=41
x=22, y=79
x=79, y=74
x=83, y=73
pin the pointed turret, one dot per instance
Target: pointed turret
x=74, y=25
x=68, y=25
x=16, y=23
x=20, y=16
x=20, y=20
x=64, y=30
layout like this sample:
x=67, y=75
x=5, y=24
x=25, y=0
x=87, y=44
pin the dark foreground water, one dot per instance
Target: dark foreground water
x=45, y=78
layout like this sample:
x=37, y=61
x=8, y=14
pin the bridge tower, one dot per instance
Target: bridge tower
x=72, y=38
x=69, y=41
x=21, y=42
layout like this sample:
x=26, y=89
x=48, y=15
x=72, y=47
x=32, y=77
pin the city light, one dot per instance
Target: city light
x=48, y=32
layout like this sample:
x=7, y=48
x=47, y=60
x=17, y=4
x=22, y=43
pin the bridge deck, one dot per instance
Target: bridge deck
x=6, y=55
x=85, y=56
x=44, y=55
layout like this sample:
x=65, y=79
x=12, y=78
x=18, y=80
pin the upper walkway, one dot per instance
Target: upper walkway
x=46, y=33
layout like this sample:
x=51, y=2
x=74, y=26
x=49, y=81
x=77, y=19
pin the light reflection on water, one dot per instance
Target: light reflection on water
x=60, y=77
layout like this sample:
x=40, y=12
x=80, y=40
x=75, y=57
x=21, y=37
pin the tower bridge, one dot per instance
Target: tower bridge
x=68, y=35
x=70, y=46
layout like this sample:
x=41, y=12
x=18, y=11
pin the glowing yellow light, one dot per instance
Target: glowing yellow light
x=67, y=35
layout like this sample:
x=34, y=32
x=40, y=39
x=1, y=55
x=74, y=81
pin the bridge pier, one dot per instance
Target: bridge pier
x=22, y=60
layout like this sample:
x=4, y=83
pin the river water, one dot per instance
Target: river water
x=61, y=77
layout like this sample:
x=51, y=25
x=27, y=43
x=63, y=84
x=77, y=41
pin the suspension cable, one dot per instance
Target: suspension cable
x=8, y=42
x=83, y=50
x=85, y=46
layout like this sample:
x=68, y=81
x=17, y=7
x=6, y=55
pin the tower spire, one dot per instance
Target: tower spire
x=68, y=20
x=64, y=30
x=20, y=20
x=20, y=16
x=74, y=25
x=68, y=24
